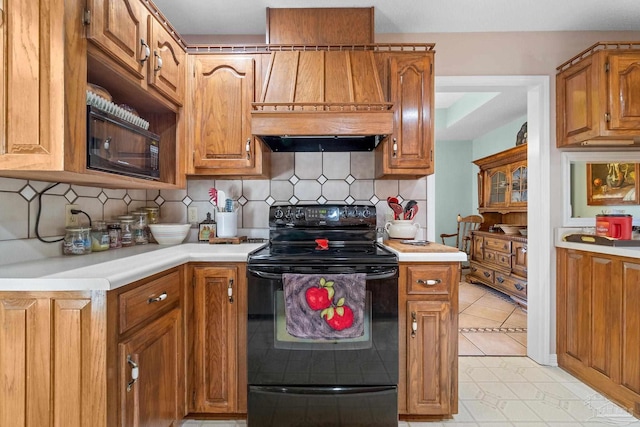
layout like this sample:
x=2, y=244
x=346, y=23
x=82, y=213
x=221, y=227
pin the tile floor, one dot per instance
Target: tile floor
x=490, y=323
x=514, y=391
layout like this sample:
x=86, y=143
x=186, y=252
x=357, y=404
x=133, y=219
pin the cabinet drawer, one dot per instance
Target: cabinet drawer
x=482, y=273
x=515, y=286
x=498, y=258
x=497, y=245
x=435, y=279
x=145, y=301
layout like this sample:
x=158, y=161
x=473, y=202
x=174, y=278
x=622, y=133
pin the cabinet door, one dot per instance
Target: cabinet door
x=574, y=301
x=52, y=360
x=477, y=252
x=222, y=92
x=518, y=184
x=497, y=187
x=150, y=373
x=624, y=87
x=213, y=380
x=630, y=362
x=167, y=69
x=119, y=27
x=409, y=150
x=577, y=102
x=519, y=258
x=31, y=85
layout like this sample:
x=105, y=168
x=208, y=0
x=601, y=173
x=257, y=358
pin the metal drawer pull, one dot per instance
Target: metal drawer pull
x=161, y=297
x=230, y=291
x=395, y=147
x=414, y=324
x=500, y=279
x=429, y=282
x=247, y=148
x=519, y=286
x=134, y=373
x=486, y=274
x=146, y=51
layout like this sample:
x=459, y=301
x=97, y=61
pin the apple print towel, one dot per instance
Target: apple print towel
x=324, y=306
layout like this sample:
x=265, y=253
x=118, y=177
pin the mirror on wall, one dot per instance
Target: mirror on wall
x=600, y=182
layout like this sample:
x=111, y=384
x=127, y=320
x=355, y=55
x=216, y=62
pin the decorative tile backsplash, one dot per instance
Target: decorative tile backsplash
x=297, y=178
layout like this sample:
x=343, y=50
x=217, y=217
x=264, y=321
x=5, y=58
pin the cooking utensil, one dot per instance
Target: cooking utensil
x=411, y=209
x=395, y=207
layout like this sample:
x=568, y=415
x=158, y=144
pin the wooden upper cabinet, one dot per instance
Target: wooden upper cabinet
x=168, y=63
x=31, y=85
x=120, y=28
x=320, y=26
x=220, y=97
x=408, y=152
x=503, y=179
x=598, y=97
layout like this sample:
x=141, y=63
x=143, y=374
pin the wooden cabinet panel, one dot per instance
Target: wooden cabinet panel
x=168, y=63
x=213, y=333
x=576, y=281
x=519, y=260
x=597, y=99
x=221, y=95
x=429, y=356
x=630, y=338
x=52, y=359
x=409, y=150
x=150, y=370
x=120, y=28
x=503, y=181
x=604, y=322
x=429, y=280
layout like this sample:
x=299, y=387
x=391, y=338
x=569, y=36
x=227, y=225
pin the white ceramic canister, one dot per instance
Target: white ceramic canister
x=402, y=229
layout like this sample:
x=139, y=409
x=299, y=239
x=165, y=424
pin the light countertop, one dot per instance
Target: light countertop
x=624, y=251
x=114, y=268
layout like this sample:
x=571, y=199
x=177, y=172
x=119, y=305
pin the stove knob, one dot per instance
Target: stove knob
x=288, y=214
x=366, y=213
x=353, y=213
x=344, y=212
x=299, y=213
x=277, y=214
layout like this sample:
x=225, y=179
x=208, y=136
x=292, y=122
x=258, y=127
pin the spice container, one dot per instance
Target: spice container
x=153, y=217
x=126, y=230
x=77, y=241
x=99, y=236
x=115, y=234
x=139, y=230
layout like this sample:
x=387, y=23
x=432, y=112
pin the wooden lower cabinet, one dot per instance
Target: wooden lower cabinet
x=598, y=323
x=428, y=310
x=146, y=347
x=216, y=327
x=52, y=356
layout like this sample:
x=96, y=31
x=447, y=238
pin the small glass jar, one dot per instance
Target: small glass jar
x=99, y=236
x=153, y=217
x=140, y=232
x=77, y=241
x=115, y=234
x=127, y=230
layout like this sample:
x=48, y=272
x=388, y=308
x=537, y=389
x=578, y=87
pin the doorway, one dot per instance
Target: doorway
x=539, y=316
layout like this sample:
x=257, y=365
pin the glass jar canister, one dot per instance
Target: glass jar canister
x=115, y=234
x=153, y=217
x=99, y=236
x=77, y=241
x=140, y=236
x=127, y=230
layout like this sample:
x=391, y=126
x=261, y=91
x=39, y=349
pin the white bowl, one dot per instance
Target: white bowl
x=510, y=228
x=169, y=234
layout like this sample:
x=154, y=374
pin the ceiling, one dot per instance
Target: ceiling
x=248, y=17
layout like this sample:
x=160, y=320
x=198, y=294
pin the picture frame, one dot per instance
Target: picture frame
x=613, y=184
x=207, y=229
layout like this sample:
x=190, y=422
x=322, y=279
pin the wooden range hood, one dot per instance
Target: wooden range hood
x=322, y=100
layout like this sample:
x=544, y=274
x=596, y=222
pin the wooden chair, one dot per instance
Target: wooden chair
x=466, y=225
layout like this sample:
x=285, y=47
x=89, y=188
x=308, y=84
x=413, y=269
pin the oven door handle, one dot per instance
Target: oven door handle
x=328, y=390
x=385, y=274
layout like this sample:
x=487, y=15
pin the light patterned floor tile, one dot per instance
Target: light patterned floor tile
x=466, y=347
x=466, y=320
x=496, y=344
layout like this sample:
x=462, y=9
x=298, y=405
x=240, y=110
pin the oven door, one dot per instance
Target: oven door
x=356, y=376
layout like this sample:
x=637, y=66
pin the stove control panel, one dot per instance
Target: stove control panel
x=322, y=216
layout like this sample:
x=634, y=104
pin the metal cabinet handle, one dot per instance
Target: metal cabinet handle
x=161, y=297
x=500, y=279
x=523, y=249
x=414, y=324
x=230, y=291
x=146, y=51
x=429, y=282
x=486, y=274
x=519, y=286
x=247, y=148
x=134, y=372
x=158, y=61
x=474, y=269
x=395, y=147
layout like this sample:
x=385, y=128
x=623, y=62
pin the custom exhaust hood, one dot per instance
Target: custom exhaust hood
x=322, y=100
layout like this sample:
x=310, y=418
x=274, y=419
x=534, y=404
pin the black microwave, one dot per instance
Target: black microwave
x=117, y=146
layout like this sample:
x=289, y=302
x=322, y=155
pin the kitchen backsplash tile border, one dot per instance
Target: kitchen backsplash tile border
x=297, y=178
